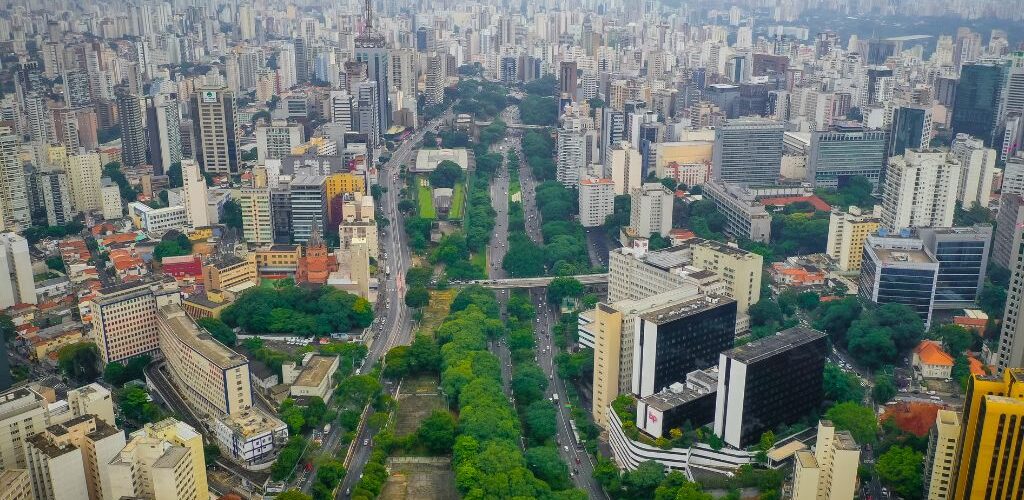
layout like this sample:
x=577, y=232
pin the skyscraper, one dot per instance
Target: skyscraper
x=990, y=465
x=911, y=129
x=845, y=151
x=567, y=79
x=133, y=131
x=978, y=164
x=14, y=199
x=85, y=172
x=164, y=126
x=748, y=151
x=193, y=194
x=920, y=190
x=216, y=125
x=371, y=48
x=368, y=112
x=16, y=283
x=977, y=104
x=570, y=161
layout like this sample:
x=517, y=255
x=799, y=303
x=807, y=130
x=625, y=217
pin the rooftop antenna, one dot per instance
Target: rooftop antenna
x=369, y=15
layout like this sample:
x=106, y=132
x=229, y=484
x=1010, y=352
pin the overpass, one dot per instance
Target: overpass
x=523, y=126
x=586, y=279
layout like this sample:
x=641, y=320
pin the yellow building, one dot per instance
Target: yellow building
x=683, y=153
x=52, y=339
x=940, y=462
x=830, y=472
x=990, y=465
x=205, y=305
x=232, y=274
x=274, y=259
x=344, y=182
x=607, y=339
x=181, y=434
x=739, y=269
x=150, y=467
x=847, y=232
x=15, y=485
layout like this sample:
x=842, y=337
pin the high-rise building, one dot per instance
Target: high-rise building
x=113, y=208
x=988, y=466
x=898, y=270
x=275, y=141
x=650, y=210
x=976, y=108
x=748, y=151
x=308, y=202
x=846, y=234
x=830, y=471
x=55, y=190
x=613, y=131
x=215, y=125
x=962, y=254
x=941, y=461
x=257, y=219
x=149, y=467
x=14, y=198
x=745, y=217
x=124, y=321
x=194, y=194
x=625, y=167
x=17, y=285
x=678, y=338
x=69, y=460
x=911, y=129
x=920, y=190
x=164, y=124
x=134, y=151
x=342, y=109
x=769, y=382
x=437, y=76
x=570, y=162
x=180, y=434
x=22, y=415
x=568, y=79
x=845, y=151
x=596, y=201
x=1008, y=234
x=368, y=113
x=371, y=48
x=978, y=164
x=85, y=172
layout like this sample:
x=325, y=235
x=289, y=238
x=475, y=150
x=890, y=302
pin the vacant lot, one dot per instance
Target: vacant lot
x=419, y=397
x=420, y=478
x=437, y=310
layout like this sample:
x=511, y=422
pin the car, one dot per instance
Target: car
x=366, y=442
x=566, y=448
x=931, y=393
x=936, y=398
x=577, y=459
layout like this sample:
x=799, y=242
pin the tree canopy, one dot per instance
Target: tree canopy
x=303, y=311
x=446, y=175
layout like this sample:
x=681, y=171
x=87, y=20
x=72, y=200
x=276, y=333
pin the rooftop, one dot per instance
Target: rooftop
x=930, y=352
x=189, y=333
x=251, y=422
x=172, y=456
x=686, y=308
x=314, y=371
x=767, y=347
x=806, y=459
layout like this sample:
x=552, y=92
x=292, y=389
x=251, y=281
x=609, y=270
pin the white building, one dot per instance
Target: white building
x=314, y=377
x=625, y=165
x=276, y=141
x=17, y=285
x=571, y=151
x=920, y=190
x=250, y=435
x=978, y=164
x=194, y=194
x=651, y=210
x=85, y=171
x=596, y=200
x=830, y=472
x=158, y=220
x=113, y=208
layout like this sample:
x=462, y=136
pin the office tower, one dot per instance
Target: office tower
x=650, y=212
x=301, y=59
x=596, y=201
x=920, y=190
x=738, y=269
x=911, y=129
x=1013, y=175
x=14, y=197
x=403, y=71
x=748, y=151
x=830, y=471
x=194, y=194
x=613, y=131
x=307, y=197
x=988, y=465
x=84, y=170
x=214, y=379
x=371, y=48
x=507, y=72
x=112, y=206
x=845, y=151
x=976, y=107
x=626, y=167
x=341, y=106
x=69, y=460
x=940, y=462
x=215, y=126
x=962, y=253
x=368, y=112
x=38, y=119
x=1008, y=234
x=133, y=128
x=769, y=382
x=275, y=141
x=437, y=76
x=978, y=164
x=846, y=234
x=124, y=317
x=257, y=220
x=1013, y=136
x=164, y=124
x=570, y=162
x=678, y=338
x=897, y=269
x=16, y=283
x=568, y=78
x=56, y=193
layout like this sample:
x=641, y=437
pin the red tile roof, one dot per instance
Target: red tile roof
x=781, y=201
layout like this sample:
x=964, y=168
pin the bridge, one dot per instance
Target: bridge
x=586, y=279
x=523, y=126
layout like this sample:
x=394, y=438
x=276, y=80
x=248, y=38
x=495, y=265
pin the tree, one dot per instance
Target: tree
x=765, y=312
x=545, y=463
x=292, y=415
x=232, y=215
x=884, y=389
x=900, y=468
x=292, y=495
x=7, y=327
x=135, y=406
x=562, y=287
x=540, y=420
x=446, y=175
x=955, y=338
x=174, y=178
x=219, y=330
x=529, y=382
x=437, y=432
x=79, y=361
x=644, y=479
x=858, y=419
x=417, y=297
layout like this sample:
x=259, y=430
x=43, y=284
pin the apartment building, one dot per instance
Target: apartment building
x=213, y=378
x=69, y=461
x=124, y=317
x=988, y=466
x=22, y=415
x=830, y=471
x=17, y=285
x=150, y=467
x=745, y=217
x=596, y=201
x=847, y=232
x=920, y=190
x=1008, y=234
x=650, y=210
x=940, y=462
x=979, y=165
x=194, y=195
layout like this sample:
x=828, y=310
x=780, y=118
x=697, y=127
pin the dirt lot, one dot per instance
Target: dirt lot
x=420, y=478
x=437, y=310
x=419, y=397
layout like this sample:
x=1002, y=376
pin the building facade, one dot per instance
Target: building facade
x=920, y=190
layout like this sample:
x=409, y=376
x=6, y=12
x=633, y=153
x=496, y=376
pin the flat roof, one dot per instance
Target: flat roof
x=314, y=371
x=806, y=459
x=894, y=256
x=189, y=333
x=764, y=348
x=252, y=421
x=668, y=399
x=172, y=456
x=684, y=308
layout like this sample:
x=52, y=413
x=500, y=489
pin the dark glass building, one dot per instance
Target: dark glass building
x=911, y=127
x=769, y=382
x=962, y=253
x=898, y=270
x=672, y=341
x=976, y=104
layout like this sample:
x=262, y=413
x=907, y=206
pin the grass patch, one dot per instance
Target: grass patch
x=426, y=203
x=419, y=397
x=479, y=260
x=458, y=201
x=437, y=310
x=426, y=479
